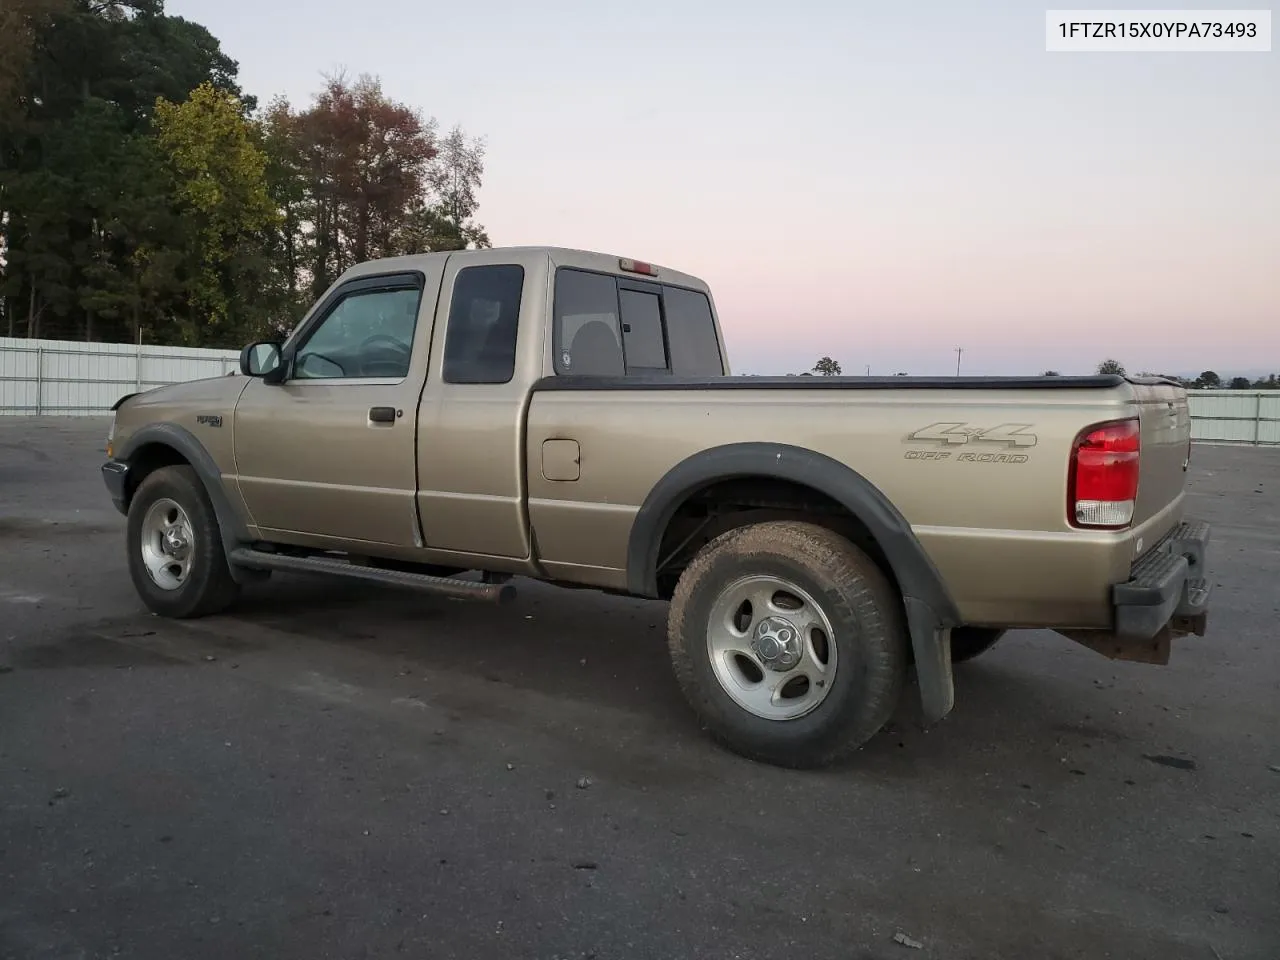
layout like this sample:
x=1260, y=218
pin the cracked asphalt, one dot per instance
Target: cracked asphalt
x=337, y=770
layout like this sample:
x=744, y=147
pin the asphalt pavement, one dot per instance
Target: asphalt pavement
x=339, y=770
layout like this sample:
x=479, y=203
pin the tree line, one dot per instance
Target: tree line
x=143, y=193
x=1208, y=380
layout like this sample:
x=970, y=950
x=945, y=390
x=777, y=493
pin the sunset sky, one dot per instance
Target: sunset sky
x=877, y=182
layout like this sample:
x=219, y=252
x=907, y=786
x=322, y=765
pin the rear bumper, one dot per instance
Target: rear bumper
x=115, y=474
x=1166, y=586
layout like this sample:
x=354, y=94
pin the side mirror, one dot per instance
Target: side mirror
x=262, y=359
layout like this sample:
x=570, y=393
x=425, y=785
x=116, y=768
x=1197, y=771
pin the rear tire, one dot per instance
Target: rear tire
x=970, y=642
x=788, y=642
x=176, y=558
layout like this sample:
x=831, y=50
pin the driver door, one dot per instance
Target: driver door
x=327, y=456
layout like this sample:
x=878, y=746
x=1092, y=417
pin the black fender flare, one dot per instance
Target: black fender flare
x=930, y=610
x=231, y=525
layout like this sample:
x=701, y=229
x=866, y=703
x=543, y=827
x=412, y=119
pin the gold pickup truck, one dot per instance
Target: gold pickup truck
x=450, y=421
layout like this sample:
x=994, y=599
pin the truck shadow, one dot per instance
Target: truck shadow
x=1015, y=705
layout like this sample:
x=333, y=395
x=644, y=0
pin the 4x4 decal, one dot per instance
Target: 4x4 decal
x=1009, y=434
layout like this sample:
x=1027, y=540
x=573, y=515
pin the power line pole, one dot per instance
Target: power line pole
x=959, y=351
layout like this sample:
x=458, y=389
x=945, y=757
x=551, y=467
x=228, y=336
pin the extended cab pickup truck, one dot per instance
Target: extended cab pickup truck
x=449, y=421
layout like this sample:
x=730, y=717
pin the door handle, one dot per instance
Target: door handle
x=382, y=414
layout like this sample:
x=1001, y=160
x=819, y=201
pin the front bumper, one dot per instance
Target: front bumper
x=115, y=474
x=1166, y=587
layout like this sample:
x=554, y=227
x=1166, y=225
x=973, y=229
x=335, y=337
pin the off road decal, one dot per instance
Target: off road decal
x=954, y=434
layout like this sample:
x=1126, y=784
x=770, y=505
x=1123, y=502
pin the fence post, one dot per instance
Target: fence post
x=1257, y=418
x=39, y=380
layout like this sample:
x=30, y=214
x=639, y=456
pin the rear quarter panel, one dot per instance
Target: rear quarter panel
x=991, y=515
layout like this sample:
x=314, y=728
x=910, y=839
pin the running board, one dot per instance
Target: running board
x=440, y=586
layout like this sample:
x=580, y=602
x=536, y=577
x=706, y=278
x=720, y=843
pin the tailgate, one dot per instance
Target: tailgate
x=1166, y=437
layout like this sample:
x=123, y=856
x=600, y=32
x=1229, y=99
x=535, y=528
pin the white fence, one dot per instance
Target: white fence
x=66, y=378
x=1235, y=416
x=70, y=379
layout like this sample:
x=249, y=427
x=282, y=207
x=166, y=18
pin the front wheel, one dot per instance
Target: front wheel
x=788, y=642
x=176, y=558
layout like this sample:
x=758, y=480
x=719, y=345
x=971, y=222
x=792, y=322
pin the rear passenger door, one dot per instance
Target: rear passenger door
x=472, y=415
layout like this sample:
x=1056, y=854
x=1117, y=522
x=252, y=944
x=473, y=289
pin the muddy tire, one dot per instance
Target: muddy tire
x=788, y=642
x=970, y=642
x=175, y=550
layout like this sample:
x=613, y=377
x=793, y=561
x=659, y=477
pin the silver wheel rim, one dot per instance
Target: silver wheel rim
x=772, y=647
x=167, y=544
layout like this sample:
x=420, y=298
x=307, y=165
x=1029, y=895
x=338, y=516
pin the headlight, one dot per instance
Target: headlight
x=111, y=436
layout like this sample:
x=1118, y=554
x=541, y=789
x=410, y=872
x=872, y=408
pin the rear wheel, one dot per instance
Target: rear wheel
x=788, y=642
x=176, y=558
x=969, y=642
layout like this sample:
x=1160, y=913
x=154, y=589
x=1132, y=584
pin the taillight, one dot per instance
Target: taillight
x=1103, y=483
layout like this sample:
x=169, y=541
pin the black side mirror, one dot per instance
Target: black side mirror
x=262, y=359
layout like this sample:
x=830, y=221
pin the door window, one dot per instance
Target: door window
x=367, y=334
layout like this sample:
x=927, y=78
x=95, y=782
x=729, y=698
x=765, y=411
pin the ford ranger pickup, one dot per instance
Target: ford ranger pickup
x=451, y=421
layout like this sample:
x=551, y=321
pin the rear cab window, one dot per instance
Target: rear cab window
x=605, y=325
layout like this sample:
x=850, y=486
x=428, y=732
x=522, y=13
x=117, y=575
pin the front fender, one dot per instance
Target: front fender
x=184, y=443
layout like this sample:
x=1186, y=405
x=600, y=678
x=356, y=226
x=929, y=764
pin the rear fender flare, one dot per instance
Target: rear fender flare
x=930, y=611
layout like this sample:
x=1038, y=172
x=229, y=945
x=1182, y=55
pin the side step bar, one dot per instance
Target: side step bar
x=440, y=586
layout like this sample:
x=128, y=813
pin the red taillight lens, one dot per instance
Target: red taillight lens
x=1103, y=484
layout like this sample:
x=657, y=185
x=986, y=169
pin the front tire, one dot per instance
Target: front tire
x=788, y=642
x=176, y=558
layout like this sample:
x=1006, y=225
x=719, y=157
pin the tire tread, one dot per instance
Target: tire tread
x=866, y=595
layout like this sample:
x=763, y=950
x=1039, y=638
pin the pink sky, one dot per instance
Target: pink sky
x=881, y=184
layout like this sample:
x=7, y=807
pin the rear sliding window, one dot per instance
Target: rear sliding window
x=609, y=326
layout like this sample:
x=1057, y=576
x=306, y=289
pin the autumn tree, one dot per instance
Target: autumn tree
x=827, y=367
x=364, y=160
x=220, y=189
x=358, y=175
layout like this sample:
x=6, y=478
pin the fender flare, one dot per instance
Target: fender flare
x=929, y=608
x=230, y=524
